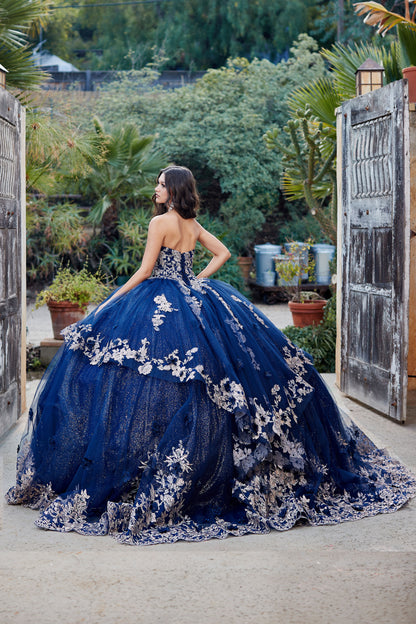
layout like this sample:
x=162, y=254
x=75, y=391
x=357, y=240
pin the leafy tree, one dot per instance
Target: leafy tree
x=107, y=37
x=328, y=25
x=189, y=34
x=202, y=35
x=16, y=19
x=216, y=126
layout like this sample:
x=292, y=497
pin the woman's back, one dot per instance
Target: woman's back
x=180, y=234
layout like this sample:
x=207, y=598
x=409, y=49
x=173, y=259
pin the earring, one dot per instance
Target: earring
x=171, y=205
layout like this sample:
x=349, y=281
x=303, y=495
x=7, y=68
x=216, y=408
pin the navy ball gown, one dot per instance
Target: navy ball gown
x=180, y=412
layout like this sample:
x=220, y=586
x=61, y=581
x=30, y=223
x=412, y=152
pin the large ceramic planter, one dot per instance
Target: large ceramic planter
x=410, y=74
x=307, y=313
x=64, y=313
x=245, y=264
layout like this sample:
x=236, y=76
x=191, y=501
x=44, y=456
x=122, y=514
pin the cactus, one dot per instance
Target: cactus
x=309, y=166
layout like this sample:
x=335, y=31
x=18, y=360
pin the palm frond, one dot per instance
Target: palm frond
x=319, y=97
x=377, y=15
x=126, y=170
x=407, y=45
x=391, y=63
x=22, y=73
x=98, y=210
x=16, y=18
x=346, y=59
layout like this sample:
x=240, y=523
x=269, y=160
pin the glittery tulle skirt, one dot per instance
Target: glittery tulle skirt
x=180, y=412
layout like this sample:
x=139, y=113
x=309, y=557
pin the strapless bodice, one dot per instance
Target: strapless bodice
x=174, y=264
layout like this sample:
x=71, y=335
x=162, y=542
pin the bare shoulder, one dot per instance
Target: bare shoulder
x=198, y=226
x=157, y=219
x=158, y=222
x=201, y=231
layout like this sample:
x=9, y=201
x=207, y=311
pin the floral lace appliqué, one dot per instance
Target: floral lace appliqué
x=163, y=307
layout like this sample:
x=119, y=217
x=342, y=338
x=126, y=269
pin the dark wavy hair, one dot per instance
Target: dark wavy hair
x=181, y=186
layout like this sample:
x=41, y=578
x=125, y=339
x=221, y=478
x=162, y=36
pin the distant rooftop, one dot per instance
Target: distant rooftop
x=52, y=63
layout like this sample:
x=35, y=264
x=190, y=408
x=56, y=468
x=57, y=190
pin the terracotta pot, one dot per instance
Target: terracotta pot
x=64, y=313
x=307, y=313
x=410, y=74
x=245, y=264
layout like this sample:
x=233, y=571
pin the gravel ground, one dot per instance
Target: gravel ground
x=356, y=572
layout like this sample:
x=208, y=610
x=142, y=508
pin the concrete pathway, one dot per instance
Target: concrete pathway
x=357, y=573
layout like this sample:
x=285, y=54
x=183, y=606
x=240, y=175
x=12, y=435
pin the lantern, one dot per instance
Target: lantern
x=368, y=77
x=3, y=72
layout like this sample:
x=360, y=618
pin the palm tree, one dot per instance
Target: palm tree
x=310, y=146
x=17, y=17
x=123, y=171
x=309, y=149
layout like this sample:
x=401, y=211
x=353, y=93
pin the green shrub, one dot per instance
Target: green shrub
x=80, y=287
x=301, y=227
x=55, y=235
x=230, y=272
x=125, y=254
x=215, y=127
x=318, y=340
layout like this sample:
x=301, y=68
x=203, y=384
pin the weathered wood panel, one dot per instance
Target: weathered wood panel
x=10, y=259
x=411, y=361
x=375, y=249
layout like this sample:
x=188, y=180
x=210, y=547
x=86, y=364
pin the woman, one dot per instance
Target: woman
x=176, y=410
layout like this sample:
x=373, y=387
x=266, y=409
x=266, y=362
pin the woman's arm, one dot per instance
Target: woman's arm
x=153, y=244
x=217, y=248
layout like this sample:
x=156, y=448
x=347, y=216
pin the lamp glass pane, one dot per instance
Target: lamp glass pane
x=365, y=77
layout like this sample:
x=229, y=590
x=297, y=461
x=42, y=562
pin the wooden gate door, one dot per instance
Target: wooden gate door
x=11, y=189
x=375, y=249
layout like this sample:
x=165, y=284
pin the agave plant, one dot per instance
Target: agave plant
x=16, y=19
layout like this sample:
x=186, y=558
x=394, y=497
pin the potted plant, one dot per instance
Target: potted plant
x=244, y=256
x=69, y=296
x=306, y=306
x=245, y=263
